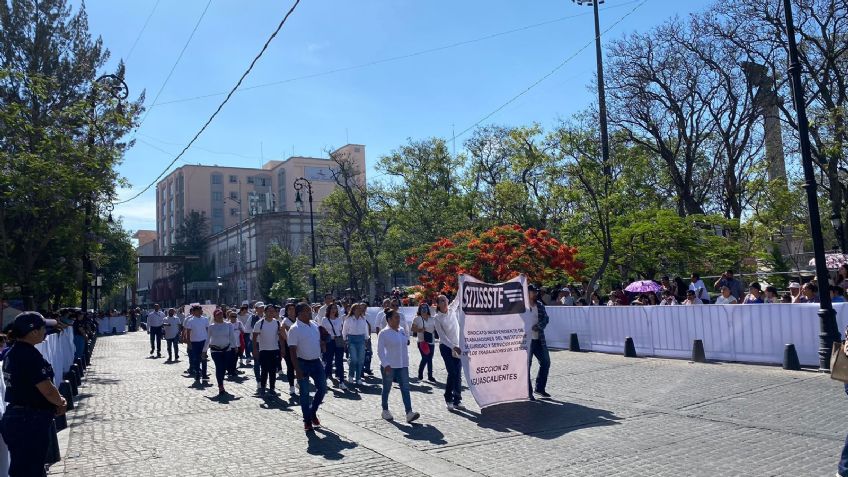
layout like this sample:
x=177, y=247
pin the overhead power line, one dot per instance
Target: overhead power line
x=221, y=106
x=547, y=75
x=141, y=32
x=174, y=66
x=392, y=58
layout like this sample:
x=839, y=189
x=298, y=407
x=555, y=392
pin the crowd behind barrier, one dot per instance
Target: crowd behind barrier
x=58, y=349
x=746, y=333
x=109, y=324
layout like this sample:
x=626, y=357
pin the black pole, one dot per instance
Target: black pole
x=602, y=99
x=312, y=231
x=829, y=332
x=86, y=260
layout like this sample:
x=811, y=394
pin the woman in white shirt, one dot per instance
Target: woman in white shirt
x=333, y=324
x=424, y=325
x=392, y=349
x=725, y=298
x=221, y=344
x=355, y=330
x=238, y=334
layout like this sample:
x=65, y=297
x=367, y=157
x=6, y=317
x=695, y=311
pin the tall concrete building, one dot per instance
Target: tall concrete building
x=247, y=209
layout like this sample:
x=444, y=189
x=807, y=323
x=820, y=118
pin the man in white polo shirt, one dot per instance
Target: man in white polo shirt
x=196, y=329
x=304, y=340
x=155, y=320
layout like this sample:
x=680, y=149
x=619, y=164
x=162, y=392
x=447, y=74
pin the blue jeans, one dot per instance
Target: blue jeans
x=540, y=351
x=356, y=346
x=401, y=375
x=79, y=346
x=248, y=346
x=175, y=344
x=335, y=354
x=311, y=369
x=220, y=359
x=27, y=434
x=453, y=385
x=195, y=359
x=843, y=459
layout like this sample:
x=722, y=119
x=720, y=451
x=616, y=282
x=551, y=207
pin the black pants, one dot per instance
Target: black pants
x=453, y=385
x=27, y=434
x=232, y=362
x=289, y=366
x=539, y=351
x=366, y=364
x=175, y=344
x=268, y=367
x=334, y=353
x=221, y=360
x=426, y=361
x=156, y=335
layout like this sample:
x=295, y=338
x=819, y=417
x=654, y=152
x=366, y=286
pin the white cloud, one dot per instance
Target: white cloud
x=139, y=213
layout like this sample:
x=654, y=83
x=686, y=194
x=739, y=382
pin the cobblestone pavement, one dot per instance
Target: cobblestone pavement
x=609, y=416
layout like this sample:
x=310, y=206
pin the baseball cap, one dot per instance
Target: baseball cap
x=271, y=305
x=794, y=285
x=259, y=304
x=29, y=321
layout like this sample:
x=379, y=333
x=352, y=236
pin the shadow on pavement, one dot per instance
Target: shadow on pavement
x=223, y=399
x=421, y=432
x=545, y=419
x=327, y=444
x=89, y=380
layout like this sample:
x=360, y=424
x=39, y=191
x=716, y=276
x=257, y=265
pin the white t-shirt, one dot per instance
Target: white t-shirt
x=534, y=320
x=221, y=335
x=288, y=323
x=198, y=326
x=245, y=321
x=333, y=326
x=392, y=349
x=238, y=329
x=307, y=338
x=155, y=318
x=429, y=326
x=700, y=290
x=721, y=300
x=269, y=334
x=172, y=327
x=355, y=326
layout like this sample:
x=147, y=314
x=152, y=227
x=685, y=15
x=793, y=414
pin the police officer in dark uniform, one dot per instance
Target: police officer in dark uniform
x=32, y=399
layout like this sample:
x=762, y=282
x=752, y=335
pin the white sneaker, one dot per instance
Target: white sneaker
x=292, y=390
x=342, y=387
x=459, y=407
x=387, y=415
x=450, y=406
x=411, y=416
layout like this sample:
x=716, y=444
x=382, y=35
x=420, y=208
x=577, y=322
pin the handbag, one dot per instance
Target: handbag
x=219, y=348
x=838, y=363
x=424, y=347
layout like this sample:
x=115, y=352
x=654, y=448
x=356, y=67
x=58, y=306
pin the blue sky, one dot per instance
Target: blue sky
x=379, y=105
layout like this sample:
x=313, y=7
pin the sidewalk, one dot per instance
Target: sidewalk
x=609, y=416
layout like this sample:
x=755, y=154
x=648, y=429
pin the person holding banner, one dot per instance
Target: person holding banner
x=393, y=351
x=538, y=346
x=423, y=325
x=447, y=326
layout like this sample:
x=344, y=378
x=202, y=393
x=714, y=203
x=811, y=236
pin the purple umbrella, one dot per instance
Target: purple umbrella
x=833, y=260
x=643, y=286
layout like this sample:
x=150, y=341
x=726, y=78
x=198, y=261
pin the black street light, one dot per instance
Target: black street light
x=298, y=200
x=828, y=330
x=602, y=97
x=117, y=89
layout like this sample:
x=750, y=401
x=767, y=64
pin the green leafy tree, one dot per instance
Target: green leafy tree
x=192, y=238
x=283, y=275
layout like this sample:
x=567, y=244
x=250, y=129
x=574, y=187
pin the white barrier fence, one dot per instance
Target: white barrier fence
x=748, y=333
x=107, y=324
x=58, y=349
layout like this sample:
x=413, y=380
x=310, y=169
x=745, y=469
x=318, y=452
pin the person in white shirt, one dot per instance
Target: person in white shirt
x=221, y=344
x=289, y=319
x=691, y=299
x=246, y=354
x=355, y=331
x=257, y=316
x=306, y=347
x=335, y=345
x=393, y=351
x=447, y=327
x=322, y=312
x=369, y=348
x=238, y=338
x=668, y=298
x=424, y=325
x=172, y=334
x=196, y=329
x=380, y=321
x=725, y=298
x=268, y=334
x=697, y=285
x=155, y=320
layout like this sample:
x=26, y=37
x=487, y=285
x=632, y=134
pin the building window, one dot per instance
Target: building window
x=217, y=212
x=356, y=149
x=216, y=178
x=217, y=196
x=263, y=181
x=217, y=229
x=234, y=212
x=250, y=179
x=233, y=179
x=233, y=195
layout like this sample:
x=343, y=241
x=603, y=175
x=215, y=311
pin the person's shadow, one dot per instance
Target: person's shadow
x=327, y=444
x=223, y=398
x=421, y=432
x=545, y=419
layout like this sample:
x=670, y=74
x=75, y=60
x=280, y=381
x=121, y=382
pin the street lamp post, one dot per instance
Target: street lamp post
x=602, y=99
x=220, y=284
x=239, y=266
x=829, y=332
x=119, y=90
x=298, y=185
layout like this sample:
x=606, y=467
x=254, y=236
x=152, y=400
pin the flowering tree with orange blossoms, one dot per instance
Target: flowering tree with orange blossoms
x=495, y=255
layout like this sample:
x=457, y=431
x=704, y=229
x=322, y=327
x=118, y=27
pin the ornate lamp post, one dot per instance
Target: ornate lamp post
x=299, y=184
x=117, y=89
x=829, y=331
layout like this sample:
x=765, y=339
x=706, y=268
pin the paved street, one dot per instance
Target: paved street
x=609, y=416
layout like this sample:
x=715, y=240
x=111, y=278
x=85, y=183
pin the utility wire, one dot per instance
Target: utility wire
x=141, y=32
x=220, y=107
x=210, y=151
x=174, y=66
x=548, y=75
x=393, y=58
